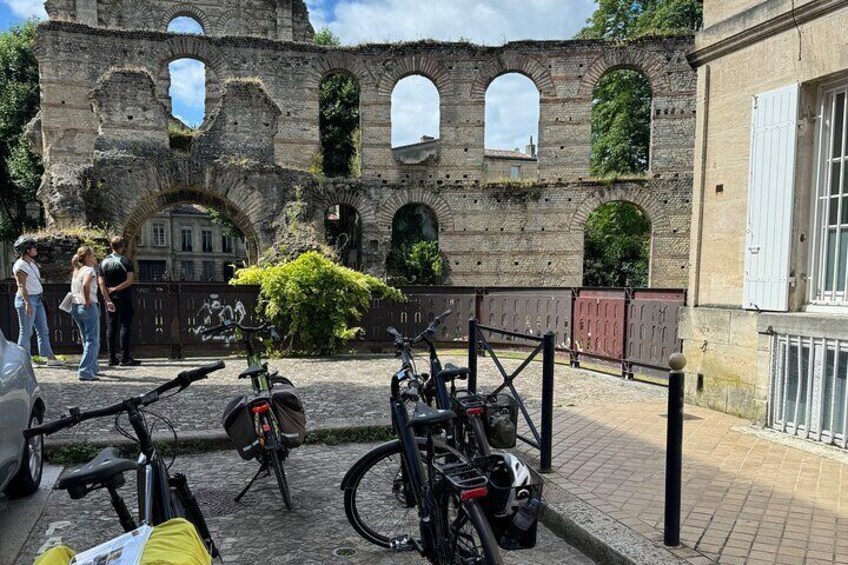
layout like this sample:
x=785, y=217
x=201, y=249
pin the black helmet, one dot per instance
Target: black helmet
x=24, y=244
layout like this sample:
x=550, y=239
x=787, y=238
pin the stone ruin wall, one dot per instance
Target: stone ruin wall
x=105, y=111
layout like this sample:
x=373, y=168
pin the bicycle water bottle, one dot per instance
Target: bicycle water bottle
x=524, y=519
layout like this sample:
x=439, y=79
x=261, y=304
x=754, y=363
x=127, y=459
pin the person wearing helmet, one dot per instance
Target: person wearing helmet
x=29, y=300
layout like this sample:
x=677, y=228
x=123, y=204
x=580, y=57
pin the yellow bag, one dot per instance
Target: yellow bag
x=176, y=542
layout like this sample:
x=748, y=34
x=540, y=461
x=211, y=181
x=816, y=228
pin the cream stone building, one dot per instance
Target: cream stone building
x=766, y=327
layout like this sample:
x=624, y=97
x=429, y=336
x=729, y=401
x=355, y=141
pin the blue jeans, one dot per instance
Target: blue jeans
x=88, y=320
x=37, y=321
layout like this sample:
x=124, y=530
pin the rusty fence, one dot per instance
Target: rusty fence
x=626, y=330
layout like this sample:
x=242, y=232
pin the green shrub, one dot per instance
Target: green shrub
x=314, y=302
x=417, y=264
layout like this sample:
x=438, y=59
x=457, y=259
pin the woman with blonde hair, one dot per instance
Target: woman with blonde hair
x=86, y=311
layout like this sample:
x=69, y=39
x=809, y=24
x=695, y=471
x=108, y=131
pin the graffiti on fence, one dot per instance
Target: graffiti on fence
x=214, y=312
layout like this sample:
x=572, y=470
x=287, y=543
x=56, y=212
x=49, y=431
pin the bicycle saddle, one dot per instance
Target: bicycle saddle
x=107, y=467
x=426, y=417
x=451, y=372
x=252, y=372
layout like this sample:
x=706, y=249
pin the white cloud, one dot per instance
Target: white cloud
x=415, y=110
x=512, y=112
x=188, y=90
x=490, y=22
x=27, y=8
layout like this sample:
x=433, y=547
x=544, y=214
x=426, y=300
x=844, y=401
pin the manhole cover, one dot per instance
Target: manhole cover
x=344, y=552
x=217, y=503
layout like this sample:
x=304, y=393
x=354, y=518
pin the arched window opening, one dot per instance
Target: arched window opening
x=343, y=229
x=617, y=247
x=188, y=101
x=415, y=257
x=416, y=119
x=186, y=25
x=512, y=128
x=190, y=243
x=621, y=124
x=339, y=123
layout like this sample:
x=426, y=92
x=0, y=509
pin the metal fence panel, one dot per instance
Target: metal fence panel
x=203, y=305
x=529, y=311
x=652, y=327
x=599, y=323
x=424, y=304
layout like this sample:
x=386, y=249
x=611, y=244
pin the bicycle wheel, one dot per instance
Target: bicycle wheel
x=276, y=458
x=378, y=501
x=468, y=533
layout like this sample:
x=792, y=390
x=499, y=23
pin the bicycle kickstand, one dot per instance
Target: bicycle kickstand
x=250, y=484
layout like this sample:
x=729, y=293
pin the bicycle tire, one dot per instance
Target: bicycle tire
x=276, y=458
x=407, y=524
x=488, y=545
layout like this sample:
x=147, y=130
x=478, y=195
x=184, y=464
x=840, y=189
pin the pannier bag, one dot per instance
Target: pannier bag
x=512, y=510
x=501, y=421
x=238, y=423
x=289, y=411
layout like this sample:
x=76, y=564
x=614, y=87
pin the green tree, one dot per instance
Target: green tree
x=617, y=246
x=20, y=168
x=339, y=118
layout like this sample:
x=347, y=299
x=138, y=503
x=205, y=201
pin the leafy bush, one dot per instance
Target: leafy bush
x=314, y=302
x=418, y=264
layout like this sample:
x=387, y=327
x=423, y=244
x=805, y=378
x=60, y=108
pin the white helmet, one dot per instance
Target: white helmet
x=520, y=478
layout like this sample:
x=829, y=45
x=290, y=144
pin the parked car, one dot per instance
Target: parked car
x=21, y=406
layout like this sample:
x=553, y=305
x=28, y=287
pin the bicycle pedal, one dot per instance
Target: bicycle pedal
x=403, y=543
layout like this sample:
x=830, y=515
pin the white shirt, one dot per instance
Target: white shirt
x=77, y=289
x=33, y=276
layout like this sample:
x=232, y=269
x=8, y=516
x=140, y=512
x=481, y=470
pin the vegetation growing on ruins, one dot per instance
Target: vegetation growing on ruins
x=20, y=168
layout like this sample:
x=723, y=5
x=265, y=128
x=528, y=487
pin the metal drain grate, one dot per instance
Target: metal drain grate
x=217, y=503
x=344, y=552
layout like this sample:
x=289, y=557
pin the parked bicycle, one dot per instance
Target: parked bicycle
x=268, y=423
x=161, y=496
x=418, y=473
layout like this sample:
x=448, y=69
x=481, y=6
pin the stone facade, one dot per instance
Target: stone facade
x=105, y=109
x=749, y=47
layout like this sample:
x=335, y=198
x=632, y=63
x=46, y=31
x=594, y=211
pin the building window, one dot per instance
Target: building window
x=808, y=388
x=159, y=235
x=187, y=270
x=226, y=244
x=208, y=271
x=187, y=238
x=515, y=172
x=207, y=241
x=831, y=255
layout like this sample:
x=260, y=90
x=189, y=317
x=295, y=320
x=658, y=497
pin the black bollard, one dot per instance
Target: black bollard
x=548, y=352
x=472, y=355
x=674, y=450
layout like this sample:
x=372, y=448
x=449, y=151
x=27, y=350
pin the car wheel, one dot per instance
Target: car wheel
x=28, y=478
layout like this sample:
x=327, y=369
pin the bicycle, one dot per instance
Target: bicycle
x=433, y=478
x=161, y=496
x=251, y=421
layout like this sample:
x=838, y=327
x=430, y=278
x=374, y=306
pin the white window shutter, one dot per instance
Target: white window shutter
x=770, y=200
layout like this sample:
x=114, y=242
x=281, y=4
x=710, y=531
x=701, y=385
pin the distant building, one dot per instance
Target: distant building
x=498, y=164
x=183, y=244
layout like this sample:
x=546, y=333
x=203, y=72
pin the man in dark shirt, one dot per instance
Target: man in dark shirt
x=116, y=277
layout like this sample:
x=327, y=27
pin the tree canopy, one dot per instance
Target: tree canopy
x=20, y=168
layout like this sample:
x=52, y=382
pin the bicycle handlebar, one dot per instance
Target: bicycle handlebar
x=75, y=417
x=230, y=325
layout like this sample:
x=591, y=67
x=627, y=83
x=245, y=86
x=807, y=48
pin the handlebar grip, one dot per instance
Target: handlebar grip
x=200, y=373
x=48, y=428
x=393, y=332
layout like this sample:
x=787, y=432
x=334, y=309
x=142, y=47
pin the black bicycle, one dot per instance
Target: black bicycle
x=161, y=496
x=416, y=475
x=267, y=423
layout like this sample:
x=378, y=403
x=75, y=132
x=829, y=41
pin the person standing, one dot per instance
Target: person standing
x=116, y=277
x=29, y=300
x=86, y=311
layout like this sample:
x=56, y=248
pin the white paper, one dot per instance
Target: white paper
x=124, y=550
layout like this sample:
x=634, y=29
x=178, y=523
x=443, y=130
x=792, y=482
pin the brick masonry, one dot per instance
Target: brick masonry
x=105, y=107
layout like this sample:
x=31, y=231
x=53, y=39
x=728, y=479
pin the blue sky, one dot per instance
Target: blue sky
x=512, y=101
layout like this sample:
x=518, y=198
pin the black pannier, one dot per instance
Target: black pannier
x=501, y=421
x=289, y=411
x=513, y=512
x=239, y=425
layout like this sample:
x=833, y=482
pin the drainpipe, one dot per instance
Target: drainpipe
x=696, y=266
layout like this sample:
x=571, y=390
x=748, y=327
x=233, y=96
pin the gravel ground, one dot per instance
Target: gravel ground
x=259, y=530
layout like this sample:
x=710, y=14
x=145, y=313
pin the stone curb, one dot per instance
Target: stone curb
x=599, y=536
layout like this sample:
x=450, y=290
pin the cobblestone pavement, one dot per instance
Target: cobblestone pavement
x=259, y=529
x=338, y=392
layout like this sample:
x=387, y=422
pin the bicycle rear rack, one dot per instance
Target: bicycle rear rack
x=470, y=402
x=459, y=473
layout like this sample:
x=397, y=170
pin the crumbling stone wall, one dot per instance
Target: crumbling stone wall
x=104, y=140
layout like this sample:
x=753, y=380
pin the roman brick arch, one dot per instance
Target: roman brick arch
x=337, y=63
x=356, y=200
x=132, y=14
x=649, y=64
x=424, y=65
x=514, y=63
x=390, y=206
x=635, y=194
x=188, y=11
x=193, y=47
